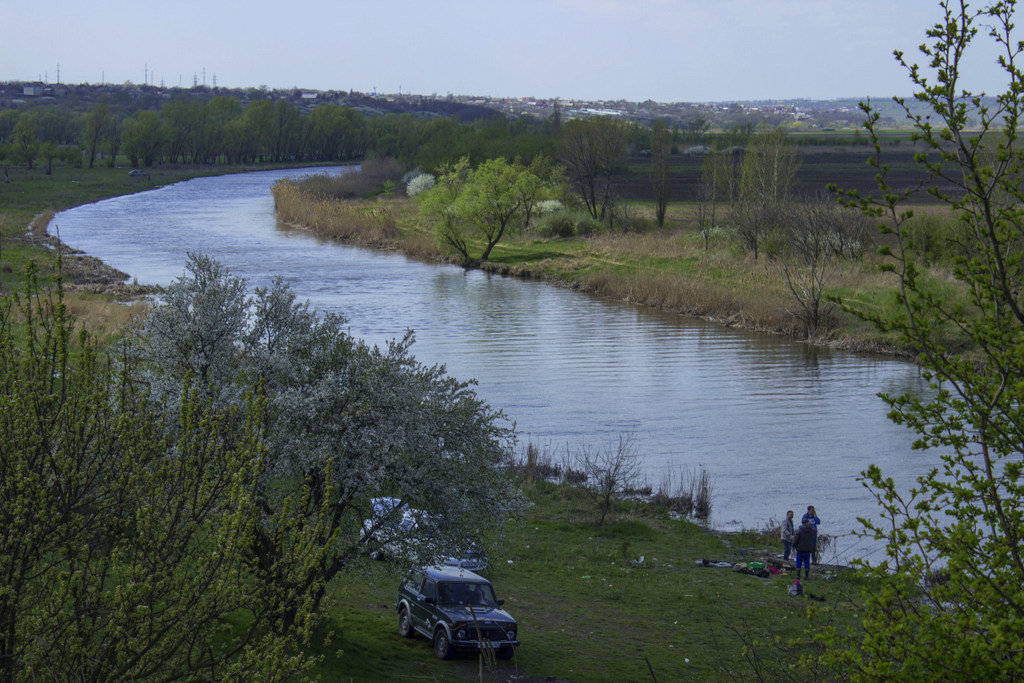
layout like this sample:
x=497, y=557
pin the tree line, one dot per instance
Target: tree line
x=221, y=130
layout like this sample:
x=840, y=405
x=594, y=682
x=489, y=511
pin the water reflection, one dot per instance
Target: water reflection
x=778, y=425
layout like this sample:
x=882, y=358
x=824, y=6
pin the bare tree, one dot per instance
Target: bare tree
x=805, y=255
x=661, y=149
x=717, y=185
x=766, y=181
x=610, y=471
x=594, y=154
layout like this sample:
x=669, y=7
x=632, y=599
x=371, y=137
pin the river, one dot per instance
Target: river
x=778, y=425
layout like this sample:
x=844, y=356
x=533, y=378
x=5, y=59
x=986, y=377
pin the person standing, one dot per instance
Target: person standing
x=787, y=535
x=812, y=515
x=805, y=542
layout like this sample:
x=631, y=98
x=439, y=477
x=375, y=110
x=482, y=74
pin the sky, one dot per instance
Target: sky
x=663, y=50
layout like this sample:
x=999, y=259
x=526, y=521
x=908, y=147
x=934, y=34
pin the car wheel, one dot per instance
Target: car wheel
x=442, y=647
x=505, y=652
x=404, y=623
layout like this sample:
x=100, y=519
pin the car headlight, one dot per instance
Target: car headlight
x=461, y=634
x=511, y=632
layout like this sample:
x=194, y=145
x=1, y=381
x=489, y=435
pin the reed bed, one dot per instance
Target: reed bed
x=102, y=317
x=41, y=222
x=371, y=179
x=363, y=223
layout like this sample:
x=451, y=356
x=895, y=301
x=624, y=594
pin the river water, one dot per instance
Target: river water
x=776, y=424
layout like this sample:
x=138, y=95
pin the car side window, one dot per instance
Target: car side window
x=429, y=589
x=413, y=583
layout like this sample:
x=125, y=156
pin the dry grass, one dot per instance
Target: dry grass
x=367, y=181
x=103, y=318
x=420, y=245
x=364, y=223
x=755, y=301
x=41, y=222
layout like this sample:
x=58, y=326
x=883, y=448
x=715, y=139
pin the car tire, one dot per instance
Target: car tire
x=442, y=646
x=505, y=652
x=405, y=623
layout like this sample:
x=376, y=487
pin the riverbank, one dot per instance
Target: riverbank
x=671, y=270
x=30, y=198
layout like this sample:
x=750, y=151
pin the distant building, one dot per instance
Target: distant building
x=32, y=90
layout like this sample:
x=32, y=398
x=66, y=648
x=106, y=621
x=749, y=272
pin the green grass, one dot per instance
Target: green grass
x=586, y=611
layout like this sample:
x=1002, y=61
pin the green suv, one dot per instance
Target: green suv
x=457, y=610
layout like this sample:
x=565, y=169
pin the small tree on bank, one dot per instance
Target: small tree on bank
x=610, y=472
x=593, y=152
x=483, y=203
x=949, y=601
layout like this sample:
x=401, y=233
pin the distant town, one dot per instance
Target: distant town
x=800, y=114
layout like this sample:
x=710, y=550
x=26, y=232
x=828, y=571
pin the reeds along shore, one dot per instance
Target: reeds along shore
x=367, y=224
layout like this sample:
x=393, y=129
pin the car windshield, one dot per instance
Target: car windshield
x=457, y=593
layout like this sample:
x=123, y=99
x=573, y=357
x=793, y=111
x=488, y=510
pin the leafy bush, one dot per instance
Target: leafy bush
x=931, y=237
x=565, y=224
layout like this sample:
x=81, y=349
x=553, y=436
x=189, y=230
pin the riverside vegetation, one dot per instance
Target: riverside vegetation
x=684, y=268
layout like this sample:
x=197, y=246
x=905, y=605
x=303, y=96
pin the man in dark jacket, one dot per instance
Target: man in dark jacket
x=787, y=534
x=805, y=542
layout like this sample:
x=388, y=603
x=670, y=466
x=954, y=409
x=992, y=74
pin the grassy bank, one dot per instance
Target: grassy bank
x=30, y=198
x=670, y=269
x=25, y=194
x=601, y=603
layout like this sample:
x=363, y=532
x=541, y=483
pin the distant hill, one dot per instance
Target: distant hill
x=806, y=113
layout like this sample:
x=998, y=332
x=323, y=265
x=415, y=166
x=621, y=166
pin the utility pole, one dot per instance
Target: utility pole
x=58, y=73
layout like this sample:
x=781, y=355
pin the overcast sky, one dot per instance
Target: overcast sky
x=665, y=50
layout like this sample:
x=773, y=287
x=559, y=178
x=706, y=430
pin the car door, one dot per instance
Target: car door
x=423, y=613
